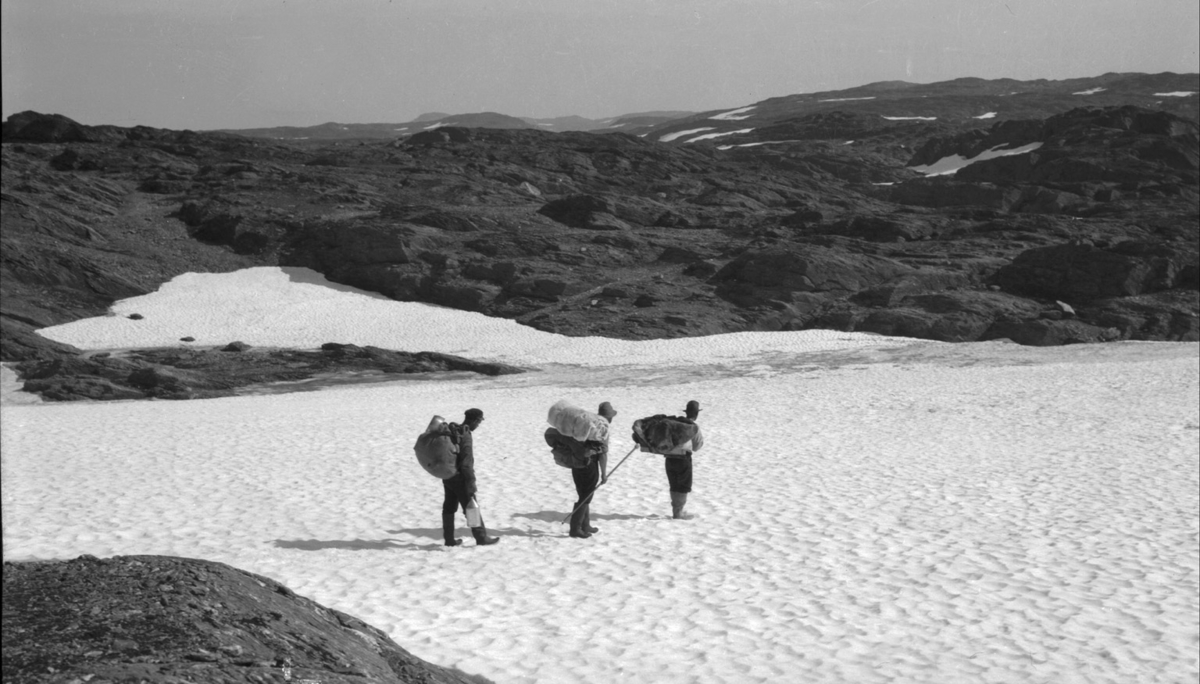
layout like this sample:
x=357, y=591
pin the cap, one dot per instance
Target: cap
x=693, y=405
x=607, y=410
x=474, y=413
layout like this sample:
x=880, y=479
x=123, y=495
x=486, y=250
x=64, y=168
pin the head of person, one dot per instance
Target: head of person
x=472, y=418
x=693, y=409
x=607, y=411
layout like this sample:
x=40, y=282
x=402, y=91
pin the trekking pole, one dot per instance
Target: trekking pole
x=589, y=496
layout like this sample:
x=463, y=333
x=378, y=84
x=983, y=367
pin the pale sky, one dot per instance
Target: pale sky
x=251, y=63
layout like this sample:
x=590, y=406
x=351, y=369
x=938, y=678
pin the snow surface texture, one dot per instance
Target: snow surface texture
x=868, y=509
x=951, y=164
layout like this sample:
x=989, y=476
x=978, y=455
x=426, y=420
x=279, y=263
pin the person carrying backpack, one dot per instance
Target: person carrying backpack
x=460, y=489
x=678, y=463
x=590, y=477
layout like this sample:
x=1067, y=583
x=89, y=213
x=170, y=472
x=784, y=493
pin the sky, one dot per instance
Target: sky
x=255, y=63
x=900, y=511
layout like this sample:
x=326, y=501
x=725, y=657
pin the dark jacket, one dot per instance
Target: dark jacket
x=461, y=436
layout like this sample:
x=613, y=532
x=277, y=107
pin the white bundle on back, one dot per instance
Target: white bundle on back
x=577, y=423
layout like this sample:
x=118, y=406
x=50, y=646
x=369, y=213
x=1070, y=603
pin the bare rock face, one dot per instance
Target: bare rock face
x=162, y=619
x=1084, y=272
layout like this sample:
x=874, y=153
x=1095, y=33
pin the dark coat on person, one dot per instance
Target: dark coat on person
x=465, y=461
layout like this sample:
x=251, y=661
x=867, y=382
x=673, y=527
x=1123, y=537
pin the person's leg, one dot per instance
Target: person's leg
x=583, y=489
x=679, y=471
x=593, y=482
x=478, y=531
x=449, y=506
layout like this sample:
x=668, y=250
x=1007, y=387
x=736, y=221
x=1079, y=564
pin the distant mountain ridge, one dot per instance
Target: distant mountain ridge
x=962, y=102
x=636, y=122
x=959, y=103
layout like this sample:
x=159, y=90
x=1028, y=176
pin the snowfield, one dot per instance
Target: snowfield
x=868, y=509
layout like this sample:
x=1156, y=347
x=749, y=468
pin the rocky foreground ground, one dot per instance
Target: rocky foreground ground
x=813, y=219
x=167, y=620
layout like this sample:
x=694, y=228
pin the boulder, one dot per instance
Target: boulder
x=1169, y=315
x=161, y=619
x=945, y=192
x=890, y=228
x=919, y=282
x=588, y=211
x=1083, y=272
x=759, y=275
x=1045, y=333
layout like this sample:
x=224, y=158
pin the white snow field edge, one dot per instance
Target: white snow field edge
x=869, y=509
x=951, y=164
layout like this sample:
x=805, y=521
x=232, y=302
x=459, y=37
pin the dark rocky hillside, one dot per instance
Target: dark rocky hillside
x=1090, y=237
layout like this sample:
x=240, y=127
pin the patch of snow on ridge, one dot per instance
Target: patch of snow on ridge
x=847, y=99
x=911, y=118
x=732, y=114
x=989, y=115
x=1176, y=93
x=708, y=136
x=299, y=309
x=679, y=134
x=948, y=165
x=1091, y=91
x=757, y=143
x=436, y=125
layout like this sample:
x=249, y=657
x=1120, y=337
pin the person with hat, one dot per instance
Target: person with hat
x=678, y=463
x=588, y=478
x=460, y=489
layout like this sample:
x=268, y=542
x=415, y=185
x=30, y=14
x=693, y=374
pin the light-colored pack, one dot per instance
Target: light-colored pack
x=436, y=451
x=577, y=423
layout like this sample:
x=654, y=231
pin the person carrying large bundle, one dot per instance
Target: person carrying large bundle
x=579, y=441
x=676, y=439
x=460, y=488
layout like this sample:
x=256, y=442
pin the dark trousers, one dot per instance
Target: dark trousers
x=679, y=473
x=458, y=494
x=586, y=479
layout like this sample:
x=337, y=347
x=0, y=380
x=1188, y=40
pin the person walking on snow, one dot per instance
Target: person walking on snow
x=460, y=489
x=588, y=478
x=678, y=463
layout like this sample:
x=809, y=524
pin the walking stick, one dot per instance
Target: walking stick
x=589, y=496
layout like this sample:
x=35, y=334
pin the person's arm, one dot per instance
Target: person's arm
x=604, y=465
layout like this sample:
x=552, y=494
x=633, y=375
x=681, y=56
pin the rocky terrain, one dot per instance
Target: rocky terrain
x=814, y=218
x=167, y=620
x=208, y=372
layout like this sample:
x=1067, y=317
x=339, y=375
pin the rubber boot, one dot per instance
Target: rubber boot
x=587, y=520
x=448, y=530
x=577, y=522
x=481, y=536
x=678, y=504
